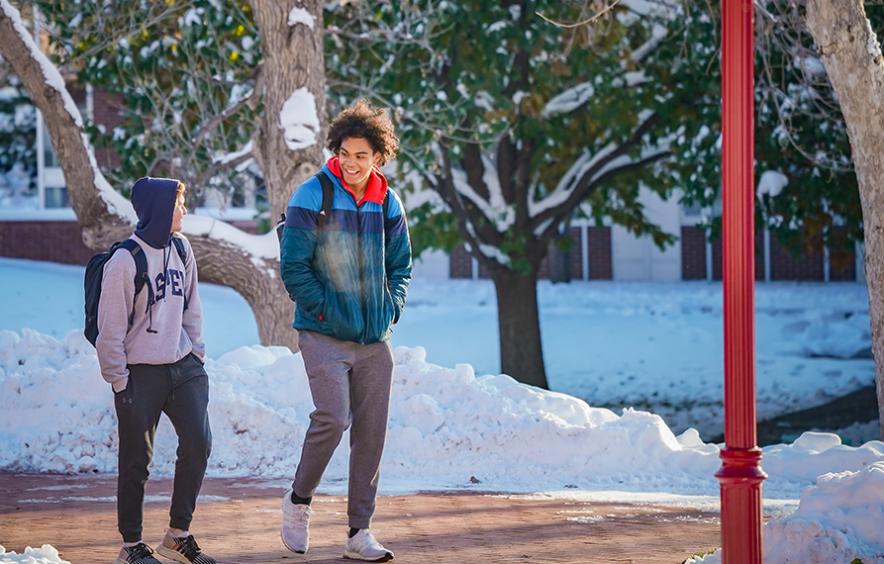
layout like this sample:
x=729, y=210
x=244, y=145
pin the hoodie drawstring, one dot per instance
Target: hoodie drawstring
x=150, y=297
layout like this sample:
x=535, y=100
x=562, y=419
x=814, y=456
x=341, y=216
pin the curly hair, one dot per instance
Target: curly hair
x=363, y=120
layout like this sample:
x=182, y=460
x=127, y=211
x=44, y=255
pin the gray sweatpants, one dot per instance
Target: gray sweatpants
x=350, y=383
x=181, y=391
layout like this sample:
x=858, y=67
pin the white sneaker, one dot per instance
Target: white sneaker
x=363, y=546
x=295, y=524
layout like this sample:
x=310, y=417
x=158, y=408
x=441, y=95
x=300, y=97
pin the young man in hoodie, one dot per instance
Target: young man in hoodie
x=348, y=273
x=151, y=351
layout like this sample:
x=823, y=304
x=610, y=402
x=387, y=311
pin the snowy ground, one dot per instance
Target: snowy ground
x=453, y=428
x=651, y=346
x=449, y=428
x=47, y=554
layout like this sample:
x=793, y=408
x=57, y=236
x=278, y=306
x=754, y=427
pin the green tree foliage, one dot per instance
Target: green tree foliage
x=18, y=155
x=480, y=80
x=184, y=71
x=799, y=130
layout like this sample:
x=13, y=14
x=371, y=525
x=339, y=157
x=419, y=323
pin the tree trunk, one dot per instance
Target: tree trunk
x=292, y=60
x=521, y=352
x=853, y=60
x=105, y=216
x=259, y=284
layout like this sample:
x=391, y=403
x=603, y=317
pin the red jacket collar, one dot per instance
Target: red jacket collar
x=376, y=189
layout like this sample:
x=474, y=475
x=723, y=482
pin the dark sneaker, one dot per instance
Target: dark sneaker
x=138, y=554
x=184, y=550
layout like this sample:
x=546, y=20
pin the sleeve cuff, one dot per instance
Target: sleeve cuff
x=120, y=384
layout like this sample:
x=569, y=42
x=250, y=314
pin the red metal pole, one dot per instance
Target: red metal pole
x=740, y=474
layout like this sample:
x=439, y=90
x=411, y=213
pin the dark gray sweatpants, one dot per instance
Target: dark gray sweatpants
x=350, y=383
x=181, y=391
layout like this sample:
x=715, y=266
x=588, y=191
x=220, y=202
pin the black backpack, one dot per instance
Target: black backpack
x=328, y=196
x=95, y=273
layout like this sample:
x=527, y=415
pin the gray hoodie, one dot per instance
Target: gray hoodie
x=162, y=333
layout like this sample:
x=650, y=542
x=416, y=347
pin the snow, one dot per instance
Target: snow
x=300, y=16
x=569, y=100
x=224, y=158
x=261, y=248
x=18, y=212
x=569, y=180
x=809, y=65
x=872, y=45
x=299, y=120
x=772, y=183
x=838, y=519
x=446, y=425
x=47, y=554
x=658, y=34
x=653, y=345
x=495, y=209
x=455, y=428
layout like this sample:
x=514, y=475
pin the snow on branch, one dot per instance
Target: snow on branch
x=495, y=210
x=588, y=171
x=236, y=156
x=569, y=181
x=299, y=15
x=569, y=100
x=262, y=250
x=490, y=252
x=299, y=120
x=658, y=34
x=771, y=183
x=116, y=203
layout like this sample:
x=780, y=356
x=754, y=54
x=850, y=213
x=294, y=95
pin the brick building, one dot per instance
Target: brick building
x=597, y=252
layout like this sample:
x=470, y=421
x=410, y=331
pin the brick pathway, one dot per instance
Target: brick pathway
x=237, y=521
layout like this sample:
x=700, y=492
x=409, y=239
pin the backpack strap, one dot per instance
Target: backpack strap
x=385, y=206
x=140, y=270
x=182, y=253
x=328, y=196
x=179, y=246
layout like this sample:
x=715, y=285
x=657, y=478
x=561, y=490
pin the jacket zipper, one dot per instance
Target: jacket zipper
x=359, y=273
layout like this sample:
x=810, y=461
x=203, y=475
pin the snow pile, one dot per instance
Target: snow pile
x=47, y=554
x=448, y=428
x=839, y=519
x=814, y=454
x=837, y=335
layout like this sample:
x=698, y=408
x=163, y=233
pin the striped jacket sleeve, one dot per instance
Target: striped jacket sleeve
x=298, y=247
x=397, y=254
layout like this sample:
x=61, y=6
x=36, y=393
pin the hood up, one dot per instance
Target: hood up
x=154, y=202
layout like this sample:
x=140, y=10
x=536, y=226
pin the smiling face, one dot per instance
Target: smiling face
x=357, y=159
x=180, y=210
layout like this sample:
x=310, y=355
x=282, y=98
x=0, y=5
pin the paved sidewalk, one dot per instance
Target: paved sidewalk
x=237, y=521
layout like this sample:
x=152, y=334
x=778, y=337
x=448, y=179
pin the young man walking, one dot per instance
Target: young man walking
x=347, y=266
x=151, y=351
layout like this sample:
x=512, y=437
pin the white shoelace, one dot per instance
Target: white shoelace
x=296, y=515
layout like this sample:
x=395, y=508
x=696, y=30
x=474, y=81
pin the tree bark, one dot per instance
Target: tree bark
x=292, y=58
x=521, y=351
x=853, y=60
x=107, y=217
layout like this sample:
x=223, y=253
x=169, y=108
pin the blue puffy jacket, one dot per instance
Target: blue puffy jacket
x=349, y=279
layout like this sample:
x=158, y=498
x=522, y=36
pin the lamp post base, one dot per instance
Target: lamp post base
x=741, y=477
